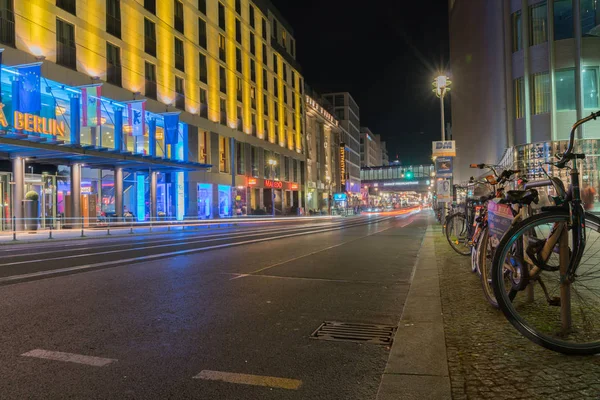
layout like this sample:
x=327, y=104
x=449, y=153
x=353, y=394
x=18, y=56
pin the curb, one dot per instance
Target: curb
x=417, y=366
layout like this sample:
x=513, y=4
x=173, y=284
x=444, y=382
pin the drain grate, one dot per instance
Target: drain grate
x=353, y=332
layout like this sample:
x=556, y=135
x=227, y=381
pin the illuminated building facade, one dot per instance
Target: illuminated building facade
x=347, y=112
x=322, y=153
x=225, y=68
x=370, y=148
x=523, y=72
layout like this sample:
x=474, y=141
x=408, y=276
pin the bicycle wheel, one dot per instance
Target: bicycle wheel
x=479, y=231
x=485, y=254
x=560, y=317
x=457, y=233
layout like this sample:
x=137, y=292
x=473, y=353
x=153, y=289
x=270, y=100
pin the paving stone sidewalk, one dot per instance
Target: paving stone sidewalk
x=487, y=357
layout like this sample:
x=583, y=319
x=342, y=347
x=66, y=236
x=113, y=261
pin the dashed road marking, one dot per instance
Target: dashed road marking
x=245, y=379
x=69, y=357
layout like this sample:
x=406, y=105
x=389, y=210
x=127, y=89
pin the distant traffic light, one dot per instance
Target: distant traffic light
x=409, y=174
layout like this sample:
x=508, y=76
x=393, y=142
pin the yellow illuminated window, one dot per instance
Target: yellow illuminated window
x=540, y=93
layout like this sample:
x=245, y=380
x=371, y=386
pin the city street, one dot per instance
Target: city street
x=204, y=314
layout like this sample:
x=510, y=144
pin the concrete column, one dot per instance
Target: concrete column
x=153, y=205
x=18, y=167
x=215, y=201
x=75, y=195
x=118, y=185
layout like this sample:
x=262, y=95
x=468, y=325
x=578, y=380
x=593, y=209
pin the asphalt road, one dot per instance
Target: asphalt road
x=175, y=312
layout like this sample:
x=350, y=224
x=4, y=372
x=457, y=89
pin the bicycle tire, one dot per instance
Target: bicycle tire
x=475, y=267
x=506, y=304
x=455, y=242
x=485, y=253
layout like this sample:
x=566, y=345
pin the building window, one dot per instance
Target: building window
x=221, y=16
x=253, y=97
x=222, y=80
x=203, y=147
x=589, y=83
x=223, y=154
x=538, y=24
x=264, y=52
x=179, y=55
x=517, y=32
x=7, y=23
x=265, y=81
x=203, y=103
x=266, y=130
x=203, y=68
x=149, y=37
x=264, y=29
x=238, y=6
x=238, y=31
x=239, y=158
x=222, y=53
x=150, y=77
x=66, y=52
x=285, y=95
x=240, y=125
x=276, y=111
x=179, y=93
x=275, y=87
x=590, y=18
x=223, y=111
x=564, y=81
x=265, y=105
x=293, y=47
x=254, y=161
x=238, y=60
x=540, y=93
x=251, y=16
x=275, y=64
x=178, y=15
x=113, y=17
x=274, y=30
x=284, y=72
x=113, y=64
x=563, y=19
x=253, y=124
x=150, y=5
x=253, y=70
x=286, y=168
x=252, y=44
x=202, y=33
x=67, y=5
x=239, y=89
x=202, y=6
x=293, y=79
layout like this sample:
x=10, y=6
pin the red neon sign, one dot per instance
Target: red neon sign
x=273, y=184
x=294, y=186
x=251, y=181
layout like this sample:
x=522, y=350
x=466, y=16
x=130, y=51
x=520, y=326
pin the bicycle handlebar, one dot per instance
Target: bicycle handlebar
x=566, y=156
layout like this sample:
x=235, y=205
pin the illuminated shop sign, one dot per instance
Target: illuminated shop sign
x=342, y=163
x=294, y=186
x=33, y=123
x=251, y=181
x=340, y=196
x=400, y=183
x=273, y=184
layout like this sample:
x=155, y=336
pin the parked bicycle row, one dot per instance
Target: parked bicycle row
x=536, y=250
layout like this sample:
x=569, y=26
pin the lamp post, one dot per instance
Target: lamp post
x=441, y=85
x=272, y=163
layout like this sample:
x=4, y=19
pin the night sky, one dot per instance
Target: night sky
x=385, y=55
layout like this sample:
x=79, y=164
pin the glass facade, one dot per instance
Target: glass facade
x=540, y=93
x=563, y=19
x=538, y=24
x=564, y=81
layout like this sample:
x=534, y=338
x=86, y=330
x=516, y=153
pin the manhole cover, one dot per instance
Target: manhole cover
x=353, y=332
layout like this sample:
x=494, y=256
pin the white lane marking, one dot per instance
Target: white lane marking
x=155, y=256
x=69, y=357
x=162, y=245
x=245, y=379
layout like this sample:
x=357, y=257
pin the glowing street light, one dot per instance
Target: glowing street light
x=441, y=85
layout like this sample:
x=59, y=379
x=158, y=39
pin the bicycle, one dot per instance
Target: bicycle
x=545, y=270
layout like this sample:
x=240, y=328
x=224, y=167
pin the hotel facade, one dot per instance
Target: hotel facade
x=148, y=108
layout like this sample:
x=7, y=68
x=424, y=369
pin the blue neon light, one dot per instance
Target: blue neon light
x=141, y=198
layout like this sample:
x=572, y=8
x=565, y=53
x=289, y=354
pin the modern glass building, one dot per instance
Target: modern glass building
x=523, y=72
x=150, y=108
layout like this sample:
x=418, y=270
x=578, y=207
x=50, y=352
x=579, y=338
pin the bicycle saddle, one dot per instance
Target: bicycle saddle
x=522, y=196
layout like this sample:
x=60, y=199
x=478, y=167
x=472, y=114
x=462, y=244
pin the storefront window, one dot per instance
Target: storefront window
x=565, y=89
x=204, y=200
x=254, y=162
x=203, y=147
x=223, y=154
x=224, y=200
x=589, y=82
x=240, y=159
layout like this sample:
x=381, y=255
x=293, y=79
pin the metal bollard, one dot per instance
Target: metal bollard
x=131, y=228
x=50, y=233
x=108, y=230
x=14, y=221
x=82, y=235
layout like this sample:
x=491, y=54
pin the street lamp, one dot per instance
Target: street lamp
x=441, y=85
x=272, y=163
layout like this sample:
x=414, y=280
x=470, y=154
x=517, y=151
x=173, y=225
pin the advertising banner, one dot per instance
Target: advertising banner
x=499, y=219
x=443, y=167
x=444, y=194
x=446, y=148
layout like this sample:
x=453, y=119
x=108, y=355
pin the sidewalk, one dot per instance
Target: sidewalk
x=467, y=349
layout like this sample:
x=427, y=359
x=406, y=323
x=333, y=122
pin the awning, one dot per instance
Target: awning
x=45, y=150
